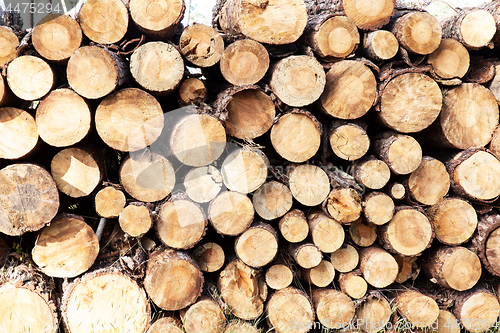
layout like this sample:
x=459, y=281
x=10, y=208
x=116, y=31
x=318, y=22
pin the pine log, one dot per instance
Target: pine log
x=410, y=102
x=326, y=233
x=19, y=133
x=374, y=312
x=93, y=72
x=201, y=45
x=244, y=170
x=158, y=19
x=30, y=78
x=272, y=200
x=371, y=172
x=408, y=268
x=289, y=310
x=380, y=45
x=166, y=324
x=485, y=242
x=9, y=44
x=473, y=28
x=350, y=90
x=450, y=60
x=279, y=276
x=402, y=153
x=136, y=219
x=447, y=323
x=454, y=220
x=147, y=177
x=397, y=191
x=103, y=21
x=66, y=248
x=209, y=256
x=343, y=205
x=173, y=279
x=231, y=213
x=258, y=245
x=273, y=22
x=378, y=208
x=320, y=276
x=334, y=309
x=430, y=182
x=353, y=284
x=293, y=226
x=418, y=32
x=203, y=316
x=362, y=232
x=86, y=303
x=369, y=17
x=240, y=327
x=378, y=267
x=309, y=184
x=345, y=259
x=348, y=140
x=244, y=62
x=180, y=224
x=296, y=136
x=306, y=255
x=242, y=288
x=203, y=184
x=477, y=310
x=418, y=309
x=56, y=37
x=192, y=91
x=28, y=199
x=77, y=171
x=157, y=67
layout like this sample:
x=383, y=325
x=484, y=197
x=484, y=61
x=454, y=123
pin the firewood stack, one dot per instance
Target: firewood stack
x=335, y=165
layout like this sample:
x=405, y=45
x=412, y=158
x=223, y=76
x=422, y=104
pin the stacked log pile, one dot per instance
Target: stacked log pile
x=336, y=165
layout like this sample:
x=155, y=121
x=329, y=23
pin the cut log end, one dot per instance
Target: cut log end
x=417, y=308
x=210, y=257
x=343, y=205
x=345, y=259
x=279, y=276
x=104, y=21
x=192, y=91
x=9, y=44
x=157, y=19
x=349, y=141
x=231, y=213
x=19, y=133
x=244, y=62
x=418, y=32
x=244, y=170
x=337, y=37
x=309, y=184
x=203, y=184
x=201, y=45
x=257, y=246
x=378, y=208
x=378, y=267
x=430, y=182
x=369, y=17
x=326, y=233
x=450, y=60
x=287, y=306
x=272, y=200
x=30, y=78
x=136, y=219
x=380, y=45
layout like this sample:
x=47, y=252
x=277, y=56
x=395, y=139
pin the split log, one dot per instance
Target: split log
x=30, y=78
x=201, y=45
x=306, y=255
x=345, y=259
x=157, y=67
x=279, y=276
x=477, y=310
x=19, y=133
x=166, y=324
x=28, y=199
x=408, y=268
x=173, y=279
x=320, y=276
x=402, y=153
x=86, y=300
x=380, y=45
x=93, y=72
x=66, y=248
x=418, y=32
x=244, y=62
x=56, y=37
x=418, y=309
x=203, y=184
x=231, y=213
x=9, y=44
x=397, y=191
x=348, y=140
x=326, y=233
x=363, y=233
x=334, y=309
x=378, y=267
x=240, y=327
x=371, y=172
x=343, y=205
x=209, y=256
x=192, y=91
x=293, y=226
x=203, y=316
x=430, y=182
x=244, y=170
x=296, y=136
x=350, y=90
x=486, y=240
x=136, y=219
x=103, y=21
x=289, y=309
x=272, y=200
x=378, y=208
x=353, y=284
x=157, y=19
x=473, y=28
x=450, y=60
x=309, y=184
x=369, y=17
x=374, y=312
x=258, y=245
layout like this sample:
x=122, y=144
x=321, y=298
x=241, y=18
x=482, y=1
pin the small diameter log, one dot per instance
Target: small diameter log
x=343, y=205
x=173, y=279
x=103, y=21
x=353, y=284
x=157, y=67
x=209, y=256
x=378, y=208
x=408, y=233
x=231, y=213
x=136, y=219
x=293, y=226
x=298, y=80
x=201, y=45
x=450, y=60
x=244, y=62
x=371, y=172
x=430, y=182
x=408, y=268
x=453, y=267
x=306, y=255
x=9, y=44
x=380, y=45
x=418, y=309
x=402, y=153
x=320, y=276
x=473, y=28
x=418, y=32
x=180, y=224
x=30, y=78
x=475, y=174
x=486, y=240
x=326, y=233
x=203, y=316
x=350, y=90
x=296, y=136
x=198, y=140
x=93, y=72
x=166, y=324
x=345, y=259
x=272, y=200
x=410, y=102
x=28, y=199
x=397, y=191
x=66, y=248
x=192, y=91
x=63, y=118
x=362, y=232
x=309, y=184
x=279, y=276
x=56, y=37
x=369, y=17
x=287, y=308
x=203, y=184
x=334, y=309
x=477, y=309
x=19, y=133
x=77, y=171
x=86, y=303
x=348, y=140
x=258, y=245
x=378, y=267
x=454, y=220
x=157, y=19
x=147, y=177
x=278, y=22
x=242, y=288
x=373, y=313
x=240, y=327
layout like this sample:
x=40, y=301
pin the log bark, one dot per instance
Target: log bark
x=192, y=91
x=418, y=32
x=353, y=284
x=402, y=153
x=209, y=256
x=258, y=245
x=485, y=242
x=374, y=312
x=378, y=267
x=378, y=208
x=348, y=140
x=369, y=17
x=103, y=21
x=287, y=308
x=380, y=45
x=19, y=133
x=272, y=200
x=326, y=233
x=343, y=205
x=345, y=259
x=136, y=219
x=30, y=78
x=334, y=309
x=473, y=28
x=203, y=316
x=306, y=255
x=362, y=232
x=203, y=184
x=244, y=62
x=450, y=60
x=430, y=182
x=157, y=19
x=408, y=268
x=320, y=276
x=9, y=45
x=293, y=226
x=476, y=310
x=231, y=213
x=371, y=172
x=309, y=184
x=201, y=45
x=418, y=309
x=244, y=170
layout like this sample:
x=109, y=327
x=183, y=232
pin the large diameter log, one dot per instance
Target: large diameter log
x=9, y=44
x=369, y=17
x=430, y=182
x=66, y=248
x=201, y=45
x=410, y=102
x=244, y=62
x=348, y=140
x=334, y=309
x=380, y=45
x=350, y=90
x=129, y=119
x=28, y=198
x=271, y=22
x=203, y=316
x=290, y=310
x=345, y=259
x=447, y=323
x=477, y=310
x=86, y=304
x=19, y=133
x=210, y=256
x=30, y=78
x=258, y=245
x=203, y=184
x=378, y=208
x=173, y=279
x=103, y=21
x=343, y=205
x=158, y=19
x=293, y=226
x=378, y=267
x=136, y=219
x=327, y=234
x=418, y=309
x=192, y=91
x=373, y=313
x=309, y=184
x=306, y=255
x=402, y=153
x=231, y=213
x=157, y=67
x=450, y=60
x=371, y=172
x=473, y=28
x=418, y=32
x=272, y=200
x=244, y=170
